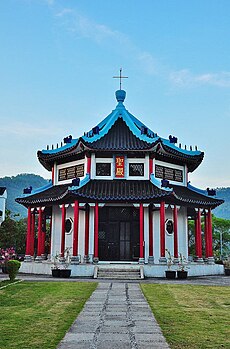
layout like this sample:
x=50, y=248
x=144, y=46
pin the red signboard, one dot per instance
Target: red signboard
x=119, y=166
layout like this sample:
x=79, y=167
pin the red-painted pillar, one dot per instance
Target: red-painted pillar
x=198, y=239
x=75, y=228
x=32, y=234
x=87, y=231
x=150, y=166
x=206, y=231
x=28, y=236
x=39, y=248
x=96, y=226
x=175, y=223
x=88, y=164
x=150, y=231
x=43, y=235
x=141, y=231
x=162, y=228
x=63, y=210
x=52, y=175
x=210, y=250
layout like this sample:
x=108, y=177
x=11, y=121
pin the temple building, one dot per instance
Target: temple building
x=120, y=193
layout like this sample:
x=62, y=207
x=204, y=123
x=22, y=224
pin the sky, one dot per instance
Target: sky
x=58, y=59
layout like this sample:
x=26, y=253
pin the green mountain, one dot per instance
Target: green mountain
x=15, y=186
x=223, y=211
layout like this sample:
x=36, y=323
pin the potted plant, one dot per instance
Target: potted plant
x=181, y=272
x=227, y=267
x=170, y=274
x=64, y=271
x=55, y=269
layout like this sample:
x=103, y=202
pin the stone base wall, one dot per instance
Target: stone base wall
x=150, y=271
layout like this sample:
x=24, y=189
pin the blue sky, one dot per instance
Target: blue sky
x=58, y=58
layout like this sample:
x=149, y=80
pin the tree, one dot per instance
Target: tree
x=13, y=233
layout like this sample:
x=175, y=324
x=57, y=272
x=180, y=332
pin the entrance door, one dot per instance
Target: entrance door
x=118, y=234
x=125, y=241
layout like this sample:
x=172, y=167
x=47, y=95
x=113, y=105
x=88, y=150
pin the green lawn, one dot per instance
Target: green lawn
x=194, y=317
x=36, y=315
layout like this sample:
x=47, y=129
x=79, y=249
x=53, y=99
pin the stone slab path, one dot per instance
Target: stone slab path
x=116, y=316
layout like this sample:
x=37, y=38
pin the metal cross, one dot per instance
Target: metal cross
x=120, y=77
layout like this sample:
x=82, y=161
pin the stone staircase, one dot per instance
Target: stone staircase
x=119, y=272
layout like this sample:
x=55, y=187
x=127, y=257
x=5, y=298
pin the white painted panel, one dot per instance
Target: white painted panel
x=178, y=167
x=169, y=239
x=183, y=232
x=70, y=164
x=56, y=231
x=91, y=231
x=81, y=234
x=156, y=236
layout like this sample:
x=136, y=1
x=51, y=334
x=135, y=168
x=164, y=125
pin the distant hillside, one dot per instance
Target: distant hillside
x=15, y=186
x=223, y=211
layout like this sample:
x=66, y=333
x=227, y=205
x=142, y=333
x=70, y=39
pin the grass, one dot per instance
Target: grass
x=37, y=314
x=194, y=317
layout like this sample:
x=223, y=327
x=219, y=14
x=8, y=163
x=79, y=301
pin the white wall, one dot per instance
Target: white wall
x=169, y=239
x=56, y=231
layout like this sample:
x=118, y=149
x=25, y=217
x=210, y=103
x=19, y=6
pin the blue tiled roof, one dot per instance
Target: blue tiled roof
x=133, y=135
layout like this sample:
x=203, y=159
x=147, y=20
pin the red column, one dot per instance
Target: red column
x=162, y=228
x=150, y=231
x=141, y=231
x=63, y=210
x=150, y=166
x=175, y=224
x=39, y=248
x=88, y=164
x=210, y=251
x=28, y=236
x=75, y=228
x=32, y=234
x=206, y=231
x=87, y=231
x=96, y=223
x=43, y=235
x=198, y=239
x=52, y=175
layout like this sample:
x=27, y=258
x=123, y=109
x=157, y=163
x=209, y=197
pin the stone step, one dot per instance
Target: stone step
x=116, y=273
x=114, y=270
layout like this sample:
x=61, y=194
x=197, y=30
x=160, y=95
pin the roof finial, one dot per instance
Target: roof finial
x=120, y=77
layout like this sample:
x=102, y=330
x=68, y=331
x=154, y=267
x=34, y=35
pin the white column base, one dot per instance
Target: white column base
x=95, y=260
x=151, y=260
x=211, y=260
x=86, y=259
x=38, y=259
x=141, y=261
x=28, y=258
x=75, y=260
x=200, y=260
x=163, y=260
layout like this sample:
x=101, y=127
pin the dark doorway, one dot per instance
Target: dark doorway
x=118, y=234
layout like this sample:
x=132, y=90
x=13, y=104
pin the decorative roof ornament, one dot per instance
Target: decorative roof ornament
x=120, y=77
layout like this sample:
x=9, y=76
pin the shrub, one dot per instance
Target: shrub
x=13, y=267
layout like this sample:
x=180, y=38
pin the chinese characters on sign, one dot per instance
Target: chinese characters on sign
x=119, y=166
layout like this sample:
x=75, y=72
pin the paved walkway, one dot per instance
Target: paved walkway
x=116, y=316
